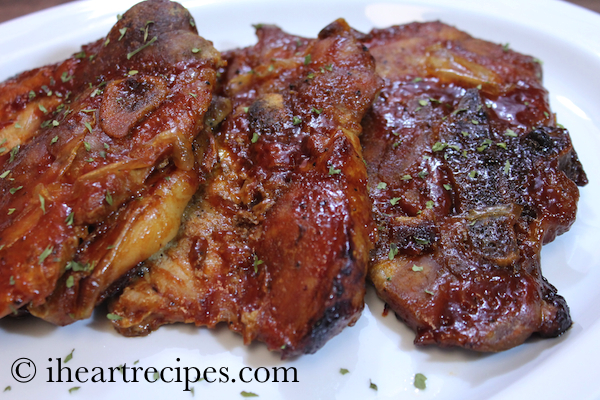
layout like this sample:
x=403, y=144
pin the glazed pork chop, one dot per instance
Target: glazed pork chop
x=276, y=243
x=470, y=175
x=467, y=175
x=97, y=161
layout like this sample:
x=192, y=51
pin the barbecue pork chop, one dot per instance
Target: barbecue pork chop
x=97, y=162
x=276, y=244
x=469, y=175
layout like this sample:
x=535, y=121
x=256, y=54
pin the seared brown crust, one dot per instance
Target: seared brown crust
x=277, y=243
x=477, y=177
x=98, y=131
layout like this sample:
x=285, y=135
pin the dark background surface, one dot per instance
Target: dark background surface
x=10, y=9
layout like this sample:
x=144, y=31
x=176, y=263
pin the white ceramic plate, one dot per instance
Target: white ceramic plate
x=377, y=349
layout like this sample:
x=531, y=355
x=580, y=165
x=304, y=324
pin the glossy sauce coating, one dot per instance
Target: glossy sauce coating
x=469, y=175
x=86, y=138
x=276, y=244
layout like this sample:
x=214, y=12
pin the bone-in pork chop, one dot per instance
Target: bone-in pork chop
x=276, y=244
x=97, y=162
x=469, y=174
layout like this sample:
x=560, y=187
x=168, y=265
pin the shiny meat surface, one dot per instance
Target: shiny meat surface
x=97, y=161
x=276, y=243
x=469, y=174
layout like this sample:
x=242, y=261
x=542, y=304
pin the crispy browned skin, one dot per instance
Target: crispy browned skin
x=277, y=243
x=466, y=203
x=105, y=165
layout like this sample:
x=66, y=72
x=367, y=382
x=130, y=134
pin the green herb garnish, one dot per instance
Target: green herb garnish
x=42, y=203
x=65, y=77
x=256, y=263
x=109, y=198
x=114, y=317
x=484, y=145
x=439, y=146
x=420, y=381
x=507, y=168
x=45, y=254
x=13, y=153
x=68, y=357
x=69, y=219
x=393, y=251
x=333, y=171
x=133, y=53
x=421, y=241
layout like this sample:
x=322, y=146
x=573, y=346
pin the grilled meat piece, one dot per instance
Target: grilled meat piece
x=276, y=244
x=469, y=175
x=98, y=162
